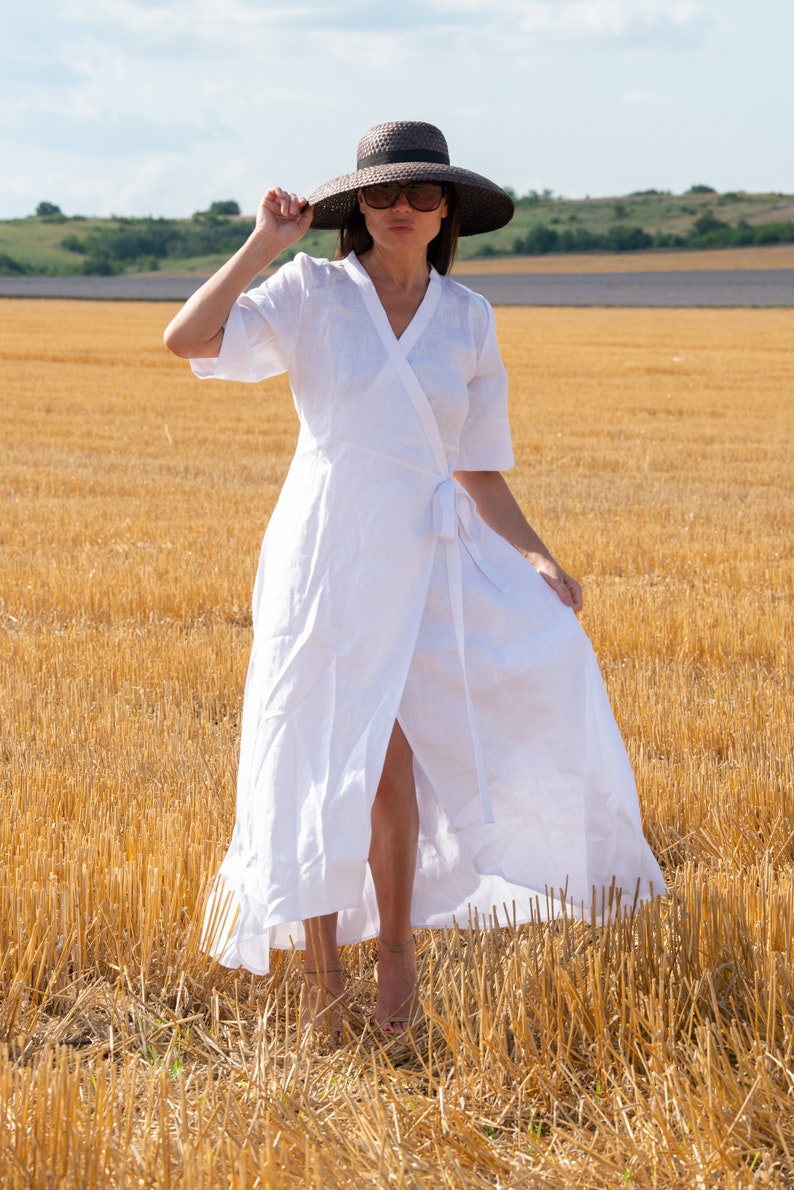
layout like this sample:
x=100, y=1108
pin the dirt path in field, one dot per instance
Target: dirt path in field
x=713, y=288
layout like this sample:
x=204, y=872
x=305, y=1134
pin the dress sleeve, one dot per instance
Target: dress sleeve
x=485, y=443
x=261, y=332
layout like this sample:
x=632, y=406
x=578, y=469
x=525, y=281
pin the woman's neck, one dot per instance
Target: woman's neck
x=400, y=282
x=404, y=270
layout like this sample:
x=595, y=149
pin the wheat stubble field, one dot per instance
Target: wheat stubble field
x=654, y=454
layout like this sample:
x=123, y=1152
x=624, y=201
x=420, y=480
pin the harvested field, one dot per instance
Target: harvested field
x=654, y=454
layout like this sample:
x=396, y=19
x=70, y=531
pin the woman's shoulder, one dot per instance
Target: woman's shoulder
x=473, y=306
x=310, y=267
x=299, y=276
x=457, y=291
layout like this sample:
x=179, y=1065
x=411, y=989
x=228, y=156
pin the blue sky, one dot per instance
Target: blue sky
x=163, y=106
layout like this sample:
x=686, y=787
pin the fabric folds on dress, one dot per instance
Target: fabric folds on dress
x=382, y=595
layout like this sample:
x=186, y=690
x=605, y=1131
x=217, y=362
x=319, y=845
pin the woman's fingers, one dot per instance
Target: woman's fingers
x=283, y=217
x=566, y=588
x=284, y=204
x=577, y=598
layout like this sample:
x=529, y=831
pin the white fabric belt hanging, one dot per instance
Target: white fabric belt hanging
x=455, y=511
x=454, y=516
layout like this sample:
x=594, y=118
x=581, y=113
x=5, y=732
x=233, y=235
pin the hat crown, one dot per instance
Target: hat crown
x=416, y=151
x=402, y=140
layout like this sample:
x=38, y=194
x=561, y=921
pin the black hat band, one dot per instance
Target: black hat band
x=396, y=156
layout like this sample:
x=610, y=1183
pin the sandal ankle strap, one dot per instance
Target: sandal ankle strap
x=387, y=946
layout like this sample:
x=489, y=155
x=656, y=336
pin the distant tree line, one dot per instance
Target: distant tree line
x=148, y=244
x=145, y=243
x=543, y=239
x=10, y=267
x=49, y=210
x=706, y=232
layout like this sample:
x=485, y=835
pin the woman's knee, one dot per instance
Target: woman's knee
x=398, y=773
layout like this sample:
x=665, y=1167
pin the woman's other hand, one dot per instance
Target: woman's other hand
x=565, y=587
x=498, y=507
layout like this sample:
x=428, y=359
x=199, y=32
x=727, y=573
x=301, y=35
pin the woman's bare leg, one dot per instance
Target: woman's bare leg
x=392, y=861
x=323, y=973
x=322, y=952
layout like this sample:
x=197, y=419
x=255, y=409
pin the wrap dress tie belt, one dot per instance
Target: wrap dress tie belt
x=455, y=523
x=453, y=512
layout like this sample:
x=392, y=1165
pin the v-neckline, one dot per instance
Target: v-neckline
x=374, y=305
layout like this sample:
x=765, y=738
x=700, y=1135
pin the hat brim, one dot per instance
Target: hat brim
x=483, y=205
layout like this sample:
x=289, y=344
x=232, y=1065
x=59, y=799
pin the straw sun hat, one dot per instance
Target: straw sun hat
x=403, y=150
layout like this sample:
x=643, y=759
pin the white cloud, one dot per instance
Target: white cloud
x=641, y=97
x=373, y=51
x=358, y=27
x=165, y=105
x=87, y=132
x=651, y=23
x=222, y=23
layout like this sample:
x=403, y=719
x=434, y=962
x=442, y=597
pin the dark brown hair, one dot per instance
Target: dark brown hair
x=354, y=236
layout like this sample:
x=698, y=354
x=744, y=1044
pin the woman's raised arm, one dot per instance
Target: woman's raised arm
x=196, y=332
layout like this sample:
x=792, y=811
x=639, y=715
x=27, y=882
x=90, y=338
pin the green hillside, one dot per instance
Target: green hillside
x=57, y=244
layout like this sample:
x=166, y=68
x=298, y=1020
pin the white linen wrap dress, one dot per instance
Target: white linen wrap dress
x=381, y=595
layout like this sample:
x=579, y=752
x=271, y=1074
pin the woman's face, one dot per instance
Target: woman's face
x=400, y=226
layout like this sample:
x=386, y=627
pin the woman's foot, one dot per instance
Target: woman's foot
x=397, y=1006
x=324, y=1009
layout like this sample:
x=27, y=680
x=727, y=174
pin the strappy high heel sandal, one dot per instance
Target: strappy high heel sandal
x=409, y=1013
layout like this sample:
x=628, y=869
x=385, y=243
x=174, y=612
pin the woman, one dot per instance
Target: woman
x=425, y=730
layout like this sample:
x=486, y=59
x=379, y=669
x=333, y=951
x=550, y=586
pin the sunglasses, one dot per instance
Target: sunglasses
x=422, y=196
